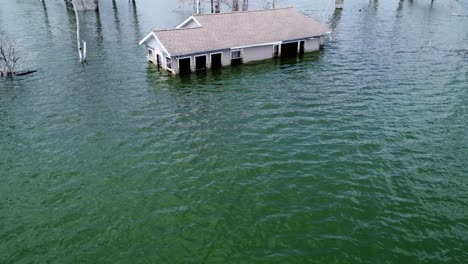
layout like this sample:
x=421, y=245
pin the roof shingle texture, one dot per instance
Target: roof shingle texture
x=228, y=30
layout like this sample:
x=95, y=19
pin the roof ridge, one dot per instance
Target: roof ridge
x=174, y=29
x=242, y=12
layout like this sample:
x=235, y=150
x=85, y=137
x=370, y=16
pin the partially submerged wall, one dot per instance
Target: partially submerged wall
x=258, y=53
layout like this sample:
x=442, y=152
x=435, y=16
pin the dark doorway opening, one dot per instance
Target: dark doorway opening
x=200, y=63
x=301, y=47
x=184, y=65
x=216, y=62
x=158, y=60
x=289, y=49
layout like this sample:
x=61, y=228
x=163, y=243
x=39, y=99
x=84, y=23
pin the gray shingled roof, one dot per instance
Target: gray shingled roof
x=227, y=30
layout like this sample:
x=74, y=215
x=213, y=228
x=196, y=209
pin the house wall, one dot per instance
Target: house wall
x=248, y=54
x=322, y=40
x=159, y=50
x=225, y=60
x=226, y=57
x=257, y=53
x=154, y=44
x=312, y=45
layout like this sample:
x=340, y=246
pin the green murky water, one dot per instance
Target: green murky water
x=354, y=154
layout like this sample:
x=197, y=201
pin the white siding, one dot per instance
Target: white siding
x=157, y=48
x=175, y=65
x=322, y=40
x=226, y=57
x=312, y=45
x=248, y=54
x=154, y=44
x=257, y=53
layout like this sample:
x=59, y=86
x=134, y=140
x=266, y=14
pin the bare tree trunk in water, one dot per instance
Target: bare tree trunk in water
x=338, y=4
x=8, y=59
x=84, y=5
x=274, y=3
x=245, y=5
x=217, y=6
x=235, y=5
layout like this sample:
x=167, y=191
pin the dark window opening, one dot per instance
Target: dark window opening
x=200, y=63
x=236, y=54
x=168, y=63
x=184, y=65
x=150, y=52
x=289, y=49
x=216, y=61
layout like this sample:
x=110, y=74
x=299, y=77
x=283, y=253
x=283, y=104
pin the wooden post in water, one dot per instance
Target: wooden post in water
x=338, y=4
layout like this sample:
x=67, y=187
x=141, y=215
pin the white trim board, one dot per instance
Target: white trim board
x=257, y=45
x=186, y=21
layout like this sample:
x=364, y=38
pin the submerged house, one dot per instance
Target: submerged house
x=217, y=40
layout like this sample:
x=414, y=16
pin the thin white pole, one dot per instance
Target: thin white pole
x=78, y=40
x=84, y=51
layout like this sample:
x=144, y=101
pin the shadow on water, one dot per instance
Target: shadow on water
x=116, y=17
x=136, y=23
x=334, y=22
x=71, y=24
x=400, y=8
x=46, y=19
x=100, y=36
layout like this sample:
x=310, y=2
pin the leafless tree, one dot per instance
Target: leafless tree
x=272, y=3
x=83, y=5
x=8, y=59
x=217, y=6
x=235, y=5
x=245, y=5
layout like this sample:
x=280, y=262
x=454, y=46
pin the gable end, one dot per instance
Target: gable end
x=190, y=22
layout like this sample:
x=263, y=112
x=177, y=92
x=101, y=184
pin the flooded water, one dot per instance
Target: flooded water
x=357, y=153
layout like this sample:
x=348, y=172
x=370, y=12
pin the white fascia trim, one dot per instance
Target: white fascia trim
x=257, y=45
x=187, y=21
x=146, y=38
x=154, y=35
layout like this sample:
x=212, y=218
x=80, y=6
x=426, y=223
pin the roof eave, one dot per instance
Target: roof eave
x=152, y=34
